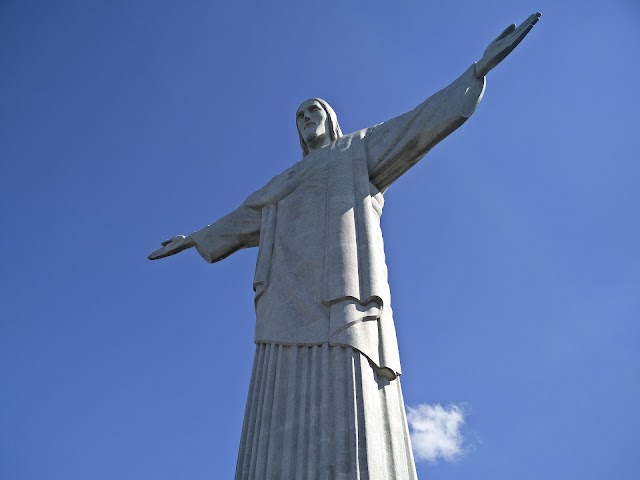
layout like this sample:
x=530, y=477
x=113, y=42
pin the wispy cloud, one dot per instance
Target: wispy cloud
x=436, y=431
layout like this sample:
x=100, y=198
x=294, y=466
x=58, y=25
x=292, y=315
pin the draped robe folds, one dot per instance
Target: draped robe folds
x=321, y=276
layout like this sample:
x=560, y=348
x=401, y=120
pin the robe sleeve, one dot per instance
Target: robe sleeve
x=239, y=229
x=396, y=145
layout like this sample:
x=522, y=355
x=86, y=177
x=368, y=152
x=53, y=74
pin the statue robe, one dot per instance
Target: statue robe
x=321, y=276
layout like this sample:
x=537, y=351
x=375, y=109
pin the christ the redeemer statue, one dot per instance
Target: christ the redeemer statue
x=325, y=400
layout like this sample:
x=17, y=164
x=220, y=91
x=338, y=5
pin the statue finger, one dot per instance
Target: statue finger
x=536, y=16
x=523, y=26
x=506, y=32
x=527, y=24
x=532, y=19
x=516, y=41
x=156, y=254
x=524, y=33
x=523, y=29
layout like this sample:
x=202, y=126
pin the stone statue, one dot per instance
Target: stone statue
x=325, y=399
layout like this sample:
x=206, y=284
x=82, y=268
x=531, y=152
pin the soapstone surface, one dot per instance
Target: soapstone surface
x=325, y=335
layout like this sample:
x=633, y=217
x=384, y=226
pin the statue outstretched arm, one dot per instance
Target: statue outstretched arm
x=396, y=145
x=239, y=229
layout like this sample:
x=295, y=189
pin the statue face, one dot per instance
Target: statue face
x=313, y=123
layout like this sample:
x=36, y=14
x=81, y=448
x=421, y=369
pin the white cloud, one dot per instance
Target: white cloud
x=436, y=431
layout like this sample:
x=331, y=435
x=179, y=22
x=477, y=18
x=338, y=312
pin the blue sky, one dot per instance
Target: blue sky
x=512, y=247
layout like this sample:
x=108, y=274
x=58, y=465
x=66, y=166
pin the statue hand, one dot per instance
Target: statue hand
x=504, y=44
x=173, y=246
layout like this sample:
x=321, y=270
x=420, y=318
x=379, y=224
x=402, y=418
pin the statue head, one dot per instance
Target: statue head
x=317, y=124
